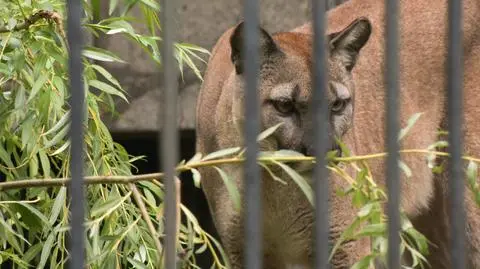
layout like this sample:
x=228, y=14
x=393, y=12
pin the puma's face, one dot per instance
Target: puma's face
x=285, y=83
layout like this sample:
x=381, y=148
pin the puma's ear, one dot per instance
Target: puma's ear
x=347, y=43
x=267, y=46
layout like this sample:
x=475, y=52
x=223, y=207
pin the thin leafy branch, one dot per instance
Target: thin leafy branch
x=32, y=19
x=287, y=158
x=143, y=210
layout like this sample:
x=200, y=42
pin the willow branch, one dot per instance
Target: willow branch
x=56, y=182
x=42, y=14
x=143, y=210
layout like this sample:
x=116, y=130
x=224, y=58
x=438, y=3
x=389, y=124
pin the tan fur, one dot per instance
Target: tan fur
x=422, y=81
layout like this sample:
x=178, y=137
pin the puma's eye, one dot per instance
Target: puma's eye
x=284, y=106
x=339, y=105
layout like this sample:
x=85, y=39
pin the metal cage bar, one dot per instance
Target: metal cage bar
x=253, y=192
x=169, y=131
x=455, y=99
x=77, y=102
x=320, y=112
x=253, y=218
x=392, y=130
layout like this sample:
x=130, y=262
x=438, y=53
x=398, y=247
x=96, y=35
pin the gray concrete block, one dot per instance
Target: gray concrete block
x=199, y=22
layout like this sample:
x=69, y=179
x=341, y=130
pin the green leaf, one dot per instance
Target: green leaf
x=58, y=137
x=365, y=210
x=58, y=83
x=33, y=166
x=276, y=178
x=42, y=220
x=101, y=55
x=5, y=157
x=472, y=171
x=37, y=86
x=197, y=157
x=192, y=47
x=346, y=235
x=121, y=27
x=101, y=208
x=151, y=3
x=112, y=6
x=231, y=188
x=365, y=262
x=405, y=168
x=287, y=153
x=150, y=198
x=196, y=177
x=40, y=64
x=11, y=23
x=12, y=234
x=154, y=188
x=268, y=132
x=107, y=88
x=438, y=145
x=20, y=98
x=331, y=155
x=358, y=198
x=409, y=126
x=32, y=252
x=344, y=149
x=299, y=180
x=201, y=249
x=60, y=123
x=191, y=218
x=472, y=179
x=376, y=229
x=61, y=149
x=221, y=153
x=58, y=205
x=137, y=264
x=420, y=240
x=12, y=240
x=106, y=75
x=47, y=246
x=27, y=131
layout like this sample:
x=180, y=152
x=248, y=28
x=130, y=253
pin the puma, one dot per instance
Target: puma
x=285, y=91
x=357, y=90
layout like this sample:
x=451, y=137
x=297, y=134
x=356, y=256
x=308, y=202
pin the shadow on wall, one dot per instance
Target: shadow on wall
x=146, y=143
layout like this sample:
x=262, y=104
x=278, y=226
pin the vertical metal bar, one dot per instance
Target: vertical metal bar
x=253, y=193
x=455, y=98
x=321, y=141
x=169, y=133
x=77, y=102
x=331, y=4
x=392, y=173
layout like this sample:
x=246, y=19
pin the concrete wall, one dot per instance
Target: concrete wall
x=199, y=22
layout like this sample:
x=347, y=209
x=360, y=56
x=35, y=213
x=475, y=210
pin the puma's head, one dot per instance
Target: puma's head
x=285, y=83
